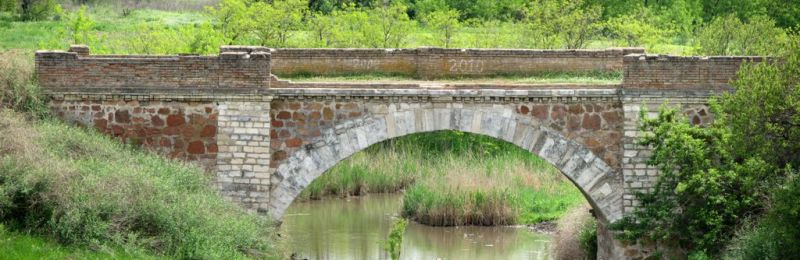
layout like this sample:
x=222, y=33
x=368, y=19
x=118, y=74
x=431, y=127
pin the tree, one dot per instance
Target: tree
x=728, y=35
x=321, y=27
x=79, y=25
x=561, y=23
x=274, y=23
x=30, y=10
x=393, y=23
x=445, y=24
x=636, y=30
x=232, y=19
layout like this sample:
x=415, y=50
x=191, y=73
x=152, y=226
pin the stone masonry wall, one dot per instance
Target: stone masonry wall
x=181, y=130
x=296, y=123
x=438, y=62
x=673, y=72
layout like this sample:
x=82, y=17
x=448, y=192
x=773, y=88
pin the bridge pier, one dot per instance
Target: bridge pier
x=243, y=173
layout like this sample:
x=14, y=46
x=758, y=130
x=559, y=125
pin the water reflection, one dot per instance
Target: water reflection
x=356, y=228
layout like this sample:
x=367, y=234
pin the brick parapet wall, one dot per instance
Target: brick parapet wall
x=674, y=72
x=438, y=62
x=77, y=69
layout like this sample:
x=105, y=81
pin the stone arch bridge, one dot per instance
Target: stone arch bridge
x=267, y=139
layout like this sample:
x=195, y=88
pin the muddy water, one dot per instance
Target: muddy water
x=356, y=228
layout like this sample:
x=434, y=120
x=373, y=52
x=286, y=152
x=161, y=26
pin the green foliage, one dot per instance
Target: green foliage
x=395, y=240
x=714, y=178
x=79, y=24
x=765, y=110
x=636, y=30
x=392, y=25
x=95, y=192
x=561, y=23
x=727, y=35
x=776, y=235
x=445, y=24
x=588, y=239
x=232, y=19
x=702, y=190
x=16, y=245
x=30, y=10
x=274, y=22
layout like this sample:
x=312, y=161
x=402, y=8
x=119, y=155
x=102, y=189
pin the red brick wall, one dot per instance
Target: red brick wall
x=437, y=62
x=229, y=70
x=183, y=130
x=673, y=72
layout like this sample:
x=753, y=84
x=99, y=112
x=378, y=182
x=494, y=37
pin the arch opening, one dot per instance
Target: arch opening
x=590, y=174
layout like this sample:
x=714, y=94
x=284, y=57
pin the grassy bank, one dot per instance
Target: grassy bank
x=453, y=178
x=17, y=245
x=82, y=189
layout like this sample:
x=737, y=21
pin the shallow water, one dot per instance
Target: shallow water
x=356, y=228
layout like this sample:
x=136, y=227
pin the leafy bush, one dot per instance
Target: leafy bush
x=713, y=178
x=82, y=188
x=776, y=235
x=561, y=24
x=727, y=35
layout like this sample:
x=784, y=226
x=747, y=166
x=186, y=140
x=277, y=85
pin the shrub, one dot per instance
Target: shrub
x=727, y=35
x=714, y=177
x=775, y=236
x=18, y=89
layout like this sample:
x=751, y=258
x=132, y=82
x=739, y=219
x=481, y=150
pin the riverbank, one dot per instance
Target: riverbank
x=453, y=178
x=89, y=192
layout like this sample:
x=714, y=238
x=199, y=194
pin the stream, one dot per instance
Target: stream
x=357, y=228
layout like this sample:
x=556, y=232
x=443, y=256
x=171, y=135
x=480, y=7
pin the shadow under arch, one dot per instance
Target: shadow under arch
x=593, y=177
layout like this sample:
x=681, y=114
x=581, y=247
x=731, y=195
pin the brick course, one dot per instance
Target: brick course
x=438, y=62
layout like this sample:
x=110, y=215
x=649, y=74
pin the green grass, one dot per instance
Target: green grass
x=14, y=245
x=83, y=189
x=112, y=32
x=599, y=77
